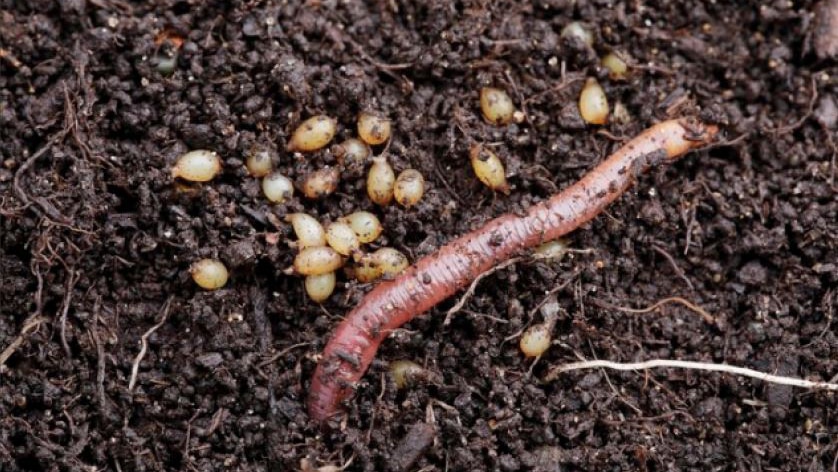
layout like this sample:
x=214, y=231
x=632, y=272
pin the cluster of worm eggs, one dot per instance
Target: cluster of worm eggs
x=321, y=250
x=316, y=133
x=324, y=250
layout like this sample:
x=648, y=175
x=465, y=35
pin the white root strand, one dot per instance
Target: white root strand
x=135, y=368
x=741, y=371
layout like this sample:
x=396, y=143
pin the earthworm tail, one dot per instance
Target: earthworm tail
x=438, y=276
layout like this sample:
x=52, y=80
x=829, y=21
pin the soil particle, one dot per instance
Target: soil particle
x=570, y=118
x=412, y=446
x=753, y=273
x=545, y=459
x=241, y=253
x=780, y=396
x=210, y=360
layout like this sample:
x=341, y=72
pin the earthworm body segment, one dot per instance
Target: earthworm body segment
x=438, y=276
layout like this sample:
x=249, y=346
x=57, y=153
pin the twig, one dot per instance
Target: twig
x=653, y=363
x=697, y=309
x=31, y=324
x=144, y=341
x=466, y=296
x=678, y=271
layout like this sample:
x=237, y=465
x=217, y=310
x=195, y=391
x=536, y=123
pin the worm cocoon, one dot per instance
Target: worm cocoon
x=209, y=274
x=577, y=30
x=342, y=238
x=320, y=287
x=390, y=261
x=536, y=339
x=197, y=166
x=488, y=168
x=593, y=104
x=321, y=182
x=352, y=152
x=380, y=181
x=313, y=134
x=405, y=372
x=617, y=68
x=277, y=187
x=366, y=269
x=373, y=128
x=409, y=187
x=365, y=224
x=317, y=261
x=555, y=249
x=309, y=231
x=258, y=162
x=496, y=105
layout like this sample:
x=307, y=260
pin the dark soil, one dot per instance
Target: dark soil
x=96, y=240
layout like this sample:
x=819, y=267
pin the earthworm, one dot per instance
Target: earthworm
x=438, y=276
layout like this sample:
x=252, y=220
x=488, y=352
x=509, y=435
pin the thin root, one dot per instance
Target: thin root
x=650, y=364
x=144, y=341
x=692, y=306
x=72, y=278
x=554, y=291
x=281, y=353
x=466, y=296
x=30, y=325
x=675, y=268
x=48, y=209
x=797, y=124
x=547, y=297
x=100, y=364
x=729, y=143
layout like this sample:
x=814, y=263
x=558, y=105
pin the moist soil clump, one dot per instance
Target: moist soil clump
x=111, y=358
